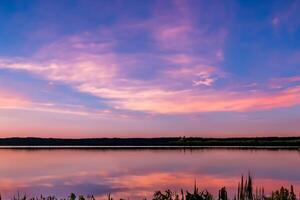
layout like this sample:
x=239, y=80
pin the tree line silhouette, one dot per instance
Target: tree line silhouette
x=293, y=142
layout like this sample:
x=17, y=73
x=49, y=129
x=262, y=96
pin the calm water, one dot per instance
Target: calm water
x=137, y=173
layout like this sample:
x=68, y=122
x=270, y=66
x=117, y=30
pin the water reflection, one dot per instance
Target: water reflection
x=136, y=174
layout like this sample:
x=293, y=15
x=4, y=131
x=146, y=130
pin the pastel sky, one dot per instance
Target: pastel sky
x=90, y=68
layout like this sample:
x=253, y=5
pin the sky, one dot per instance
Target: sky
x=151, y=68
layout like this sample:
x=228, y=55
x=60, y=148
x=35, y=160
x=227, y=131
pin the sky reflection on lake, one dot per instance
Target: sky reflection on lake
x=136, y=174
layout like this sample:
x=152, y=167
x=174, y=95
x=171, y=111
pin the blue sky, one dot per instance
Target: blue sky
x=149, y=68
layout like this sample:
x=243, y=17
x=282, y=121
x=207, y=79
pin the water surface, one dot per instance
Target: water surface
x=136, y=174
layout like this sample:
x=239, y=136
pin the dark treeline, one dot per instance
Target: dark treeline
x=245, y=191
x=166, y=141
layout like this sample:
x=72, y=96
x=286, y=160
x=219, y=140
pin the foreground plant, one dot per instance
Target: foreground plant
x=245, y=192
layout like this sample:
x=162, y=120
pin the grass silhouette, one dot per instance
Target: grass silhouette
x=244, y=192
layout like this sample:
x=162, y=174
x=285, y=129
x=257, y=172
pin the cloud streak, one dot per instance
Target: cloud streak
x=8, y=100
x=152, y=96
x=180, y=73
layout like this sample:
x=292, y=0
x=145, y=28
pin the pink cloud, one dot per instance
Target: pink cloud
x=179, y=30
x=205, y=80
x=212, y=101
x=10, y=100
x=173, y=36
x=92, y=65
x=282, y=82
x=101, y=76
x=287, y=17
x=192, y=69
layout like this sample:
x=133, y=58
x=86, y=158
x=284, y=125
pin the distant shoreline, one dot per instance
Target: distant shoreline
x=153, y=147
x=152, y=143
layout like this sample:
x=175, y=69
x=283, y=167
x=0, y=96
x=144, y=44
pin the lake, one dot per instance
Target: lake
x=136, y=174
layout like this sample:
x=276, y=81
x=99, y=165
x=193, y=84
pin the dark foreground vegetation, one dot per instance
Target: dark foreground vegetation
x=245, y=191
x=293, y=142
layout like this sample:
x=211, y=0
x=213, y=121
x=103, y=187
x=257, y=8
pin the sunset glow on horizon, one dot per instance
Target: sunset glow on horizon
x=75, y=69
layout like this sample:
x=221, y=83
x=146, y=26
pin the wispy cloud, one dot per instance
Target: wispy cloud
x=184, y=58
x=152, y=97
x=9, y=100
x=101, y=75
x=287, y=17
x=284, y=81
